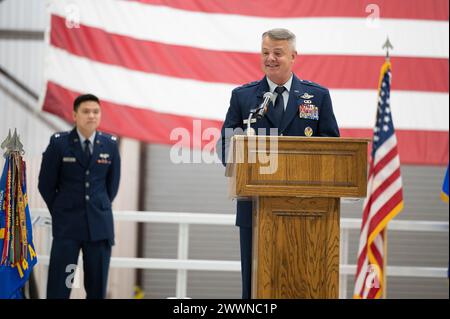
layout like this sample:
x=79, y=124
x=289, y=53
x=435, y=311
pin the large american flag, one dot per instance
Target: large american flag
x=160, y=64
x=384, y=197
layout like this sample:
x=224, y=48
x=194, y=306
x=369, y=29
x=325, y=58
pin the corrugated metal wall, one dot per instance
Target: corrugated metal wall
x=23, y=58
x=188, y=188
x=22, y=14
x=202, y=188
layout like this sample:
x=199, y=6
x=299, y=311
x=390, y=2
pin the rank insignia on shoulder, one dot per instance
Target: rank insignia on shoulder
x=113, y=138
x=60, y=134
x=307, y=96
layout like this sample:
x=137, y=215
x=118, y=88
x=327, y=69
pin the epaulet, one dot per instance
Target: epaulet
x=247, y=85
x=60, y=134
x=109, y=137
x=310, y=83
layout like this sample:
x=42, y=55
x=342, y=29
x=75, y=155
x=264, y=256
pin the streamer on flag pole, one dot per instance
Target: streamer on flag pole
x=17, y=254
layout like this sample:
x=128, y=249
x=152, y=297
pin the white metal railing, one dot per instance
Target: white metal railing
x=182, y=264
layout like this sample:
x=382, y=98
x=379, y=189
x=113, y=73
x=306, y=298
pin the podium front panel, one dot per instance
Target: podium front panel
x=300, y=166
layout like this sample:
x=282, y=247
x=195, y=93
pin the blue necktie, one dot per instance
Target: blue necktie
x=87, y=151
x=279, y=105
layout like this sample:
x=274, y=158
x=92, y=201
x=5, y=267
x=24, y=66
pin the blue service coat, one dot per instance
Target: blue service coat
x=79, y=194
x=302, y=95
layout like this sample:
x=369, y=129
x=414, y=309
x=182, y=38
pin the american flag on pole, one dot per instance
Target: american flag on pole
x=384, y=197
x=161, y=64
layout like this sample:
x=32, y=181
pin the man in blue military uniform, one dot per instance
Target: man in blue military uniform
x=78, y=180
x=301, y=108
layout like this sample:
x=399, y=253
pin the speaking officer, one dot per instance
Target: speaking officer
x=301, y=108
x=78, y=180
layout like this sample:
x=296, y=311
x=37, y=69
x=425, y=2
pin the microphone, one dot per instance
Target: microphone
x=259, y=112
x=262, y=109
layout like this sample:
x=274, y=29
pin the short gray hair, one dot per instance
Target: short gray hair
x=281, y=34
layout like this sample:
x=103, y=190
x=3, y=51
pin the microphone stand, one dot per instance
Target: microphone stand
x=251, y=130
x=259, y=111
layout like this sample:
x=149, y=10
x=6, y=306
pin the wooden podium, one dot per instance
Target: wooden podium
x=296, y=184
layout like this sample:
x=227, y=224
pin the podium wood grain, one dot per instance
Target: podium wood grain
x=296, y=184
x=296, y=248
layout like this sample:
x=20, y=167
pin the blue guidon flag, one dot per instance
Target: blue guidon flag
x=444, y=192
x=17, y=254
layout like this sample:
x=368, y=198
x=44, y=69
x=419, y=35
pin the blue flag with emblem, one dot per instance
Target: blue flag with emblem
x=17, y=254
x=444, y=196
x=444, y=192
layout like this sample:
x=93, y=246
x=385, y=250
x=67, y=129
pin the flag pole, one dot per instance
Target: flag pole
x=385, y=256
x=387, y=45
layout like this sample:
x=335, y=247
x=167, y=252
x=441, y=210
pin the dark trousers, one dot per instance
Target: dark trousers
x=63, y=261
x=245, y=234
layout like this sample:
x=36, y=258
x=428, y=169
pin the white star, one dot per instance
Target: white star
x=385, y=128
x=387, y=119
x=376, y=138
x=388, y=110
x=382, y=93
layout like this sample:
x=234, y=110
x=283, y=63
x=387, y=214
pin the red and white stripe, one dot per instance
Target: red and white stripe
x=384, y=200
x=159, y=64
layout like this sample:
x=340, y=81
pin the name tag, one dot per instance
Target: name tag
x=69, y=159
